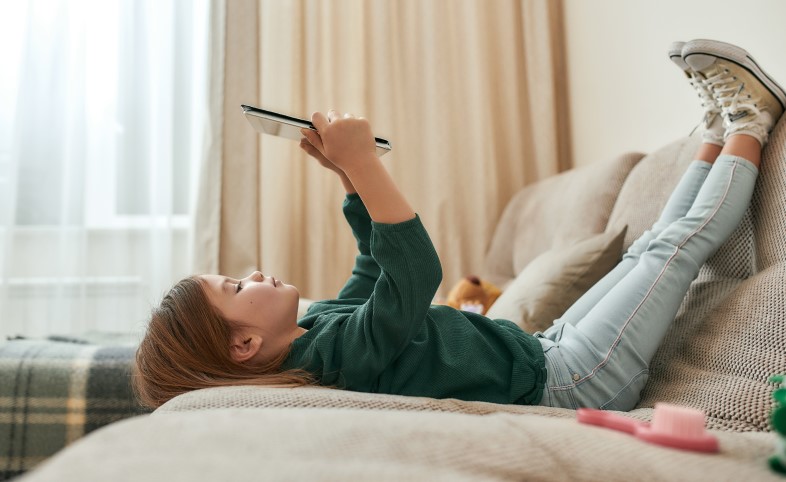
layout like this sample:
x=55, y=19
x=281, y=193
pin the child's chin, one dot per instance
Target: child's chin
x=294, y=290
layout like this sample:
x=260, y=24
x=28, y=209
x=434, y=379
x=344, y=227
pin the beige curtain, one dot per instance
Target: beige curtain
x=471, y=94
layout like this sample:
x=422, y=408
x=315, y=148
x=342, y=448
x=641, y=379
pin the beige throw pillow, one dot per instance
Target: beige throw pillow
x=553, y=281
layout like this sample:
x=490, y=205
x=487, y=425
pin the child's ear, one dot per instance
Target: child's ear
x=245, y=346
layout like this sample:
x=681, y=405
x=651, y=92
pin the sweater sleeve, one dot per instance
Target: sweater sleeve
x=366, y=270
x=379, y=330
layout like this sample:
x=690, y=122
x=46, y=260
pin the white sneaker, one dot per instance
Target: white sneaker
x=750, y=100
x=712, y=121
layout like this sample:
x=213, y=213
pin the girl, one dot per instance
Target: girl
x=382, y=335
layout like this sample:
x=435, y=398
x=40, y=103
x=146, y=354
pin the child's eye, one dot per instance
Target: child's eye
x=239, y=287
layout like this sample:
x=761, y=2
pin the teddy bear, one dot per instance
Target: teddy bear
x=473, y=294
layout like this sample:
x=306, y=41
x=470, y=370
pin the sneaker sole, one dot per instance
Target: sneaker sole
x=740, y=57
x=675, y=54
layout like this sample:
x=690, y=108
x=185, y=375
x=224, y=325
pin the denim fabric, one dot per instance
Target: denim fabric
x=598, y=352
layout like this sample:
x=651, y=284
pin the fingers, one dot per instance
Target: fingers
x=313, y=138
x=334, y=115
x=306, y=146
x=319, y=120
x=311, y=150
x=314, y=151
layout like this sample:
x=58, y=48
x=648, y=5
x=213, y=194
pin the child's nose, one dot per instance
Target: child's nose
x=256, y=276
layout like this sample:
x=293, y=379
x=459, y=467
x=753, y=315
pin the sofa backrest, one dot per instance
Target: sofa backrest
x=729, y=336
x=552, y=213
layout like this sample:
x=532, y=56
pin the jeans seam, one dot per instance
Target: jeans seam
x=605, y=360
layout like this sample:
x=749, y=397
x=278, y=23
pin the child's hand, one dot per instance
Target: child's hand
x=309, y=142
x=347, y=141
x=348, y=144
x=312, y=144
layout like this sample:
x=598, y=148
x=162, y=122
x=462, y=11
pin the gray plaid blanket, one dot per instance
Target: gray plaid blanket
x=54, y=391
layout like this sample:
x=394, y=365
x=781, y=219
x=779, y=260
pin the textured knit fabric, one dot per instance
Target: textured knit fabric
x=382, y=335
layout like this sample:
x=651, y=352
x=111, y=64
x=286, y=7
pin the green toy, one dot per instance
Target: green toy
x=778, y=461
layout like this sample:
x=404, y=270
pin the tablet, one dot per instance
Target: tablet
x=282, y=125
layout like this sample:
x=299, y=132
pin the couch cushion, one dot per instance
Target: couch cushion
x=769, y=202
x=727, y=340
x=729, y=336
x=247, y=396
x=553, y=281
x=333, y=444
x=554, y=213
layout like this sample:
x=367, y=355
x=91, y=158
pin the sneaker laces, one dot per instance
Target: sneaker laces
x=711, y=107
x=728, y=93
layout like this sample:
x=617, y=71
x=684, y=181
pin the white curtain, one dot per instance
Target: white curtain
x=103, y=108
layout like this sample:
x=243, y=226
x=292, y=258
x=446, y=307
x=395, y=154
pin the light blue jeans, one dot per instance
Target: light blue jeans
x=598, y=353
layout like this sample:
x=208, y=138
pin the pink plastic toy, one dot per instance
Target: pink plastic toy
x=672, y=425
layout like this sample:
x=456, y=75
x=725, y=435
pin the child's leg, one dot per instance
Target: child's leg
x=606, y=355
x=678, y=204
x=603, y=360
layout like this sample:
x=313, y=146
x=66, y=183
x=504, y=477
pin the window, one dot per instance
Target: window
x=100, y=142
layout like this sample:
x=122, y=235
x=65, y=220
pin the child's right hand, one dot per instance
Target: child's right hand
x=346, y=140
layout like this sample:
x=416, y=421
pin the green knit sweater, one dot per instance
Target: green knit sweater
x=382, y=335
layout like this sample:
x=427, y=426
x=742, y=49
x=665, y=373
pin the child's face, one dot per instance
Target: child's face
x=261, y=302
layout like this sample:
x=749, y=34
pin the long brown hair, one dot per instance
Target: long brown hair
x=186, y=347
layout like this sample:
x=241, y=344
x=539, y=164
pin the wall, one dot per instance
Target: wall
x=625, y=93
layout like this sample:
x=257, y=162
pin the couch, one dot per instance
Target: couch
x=728, y=338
